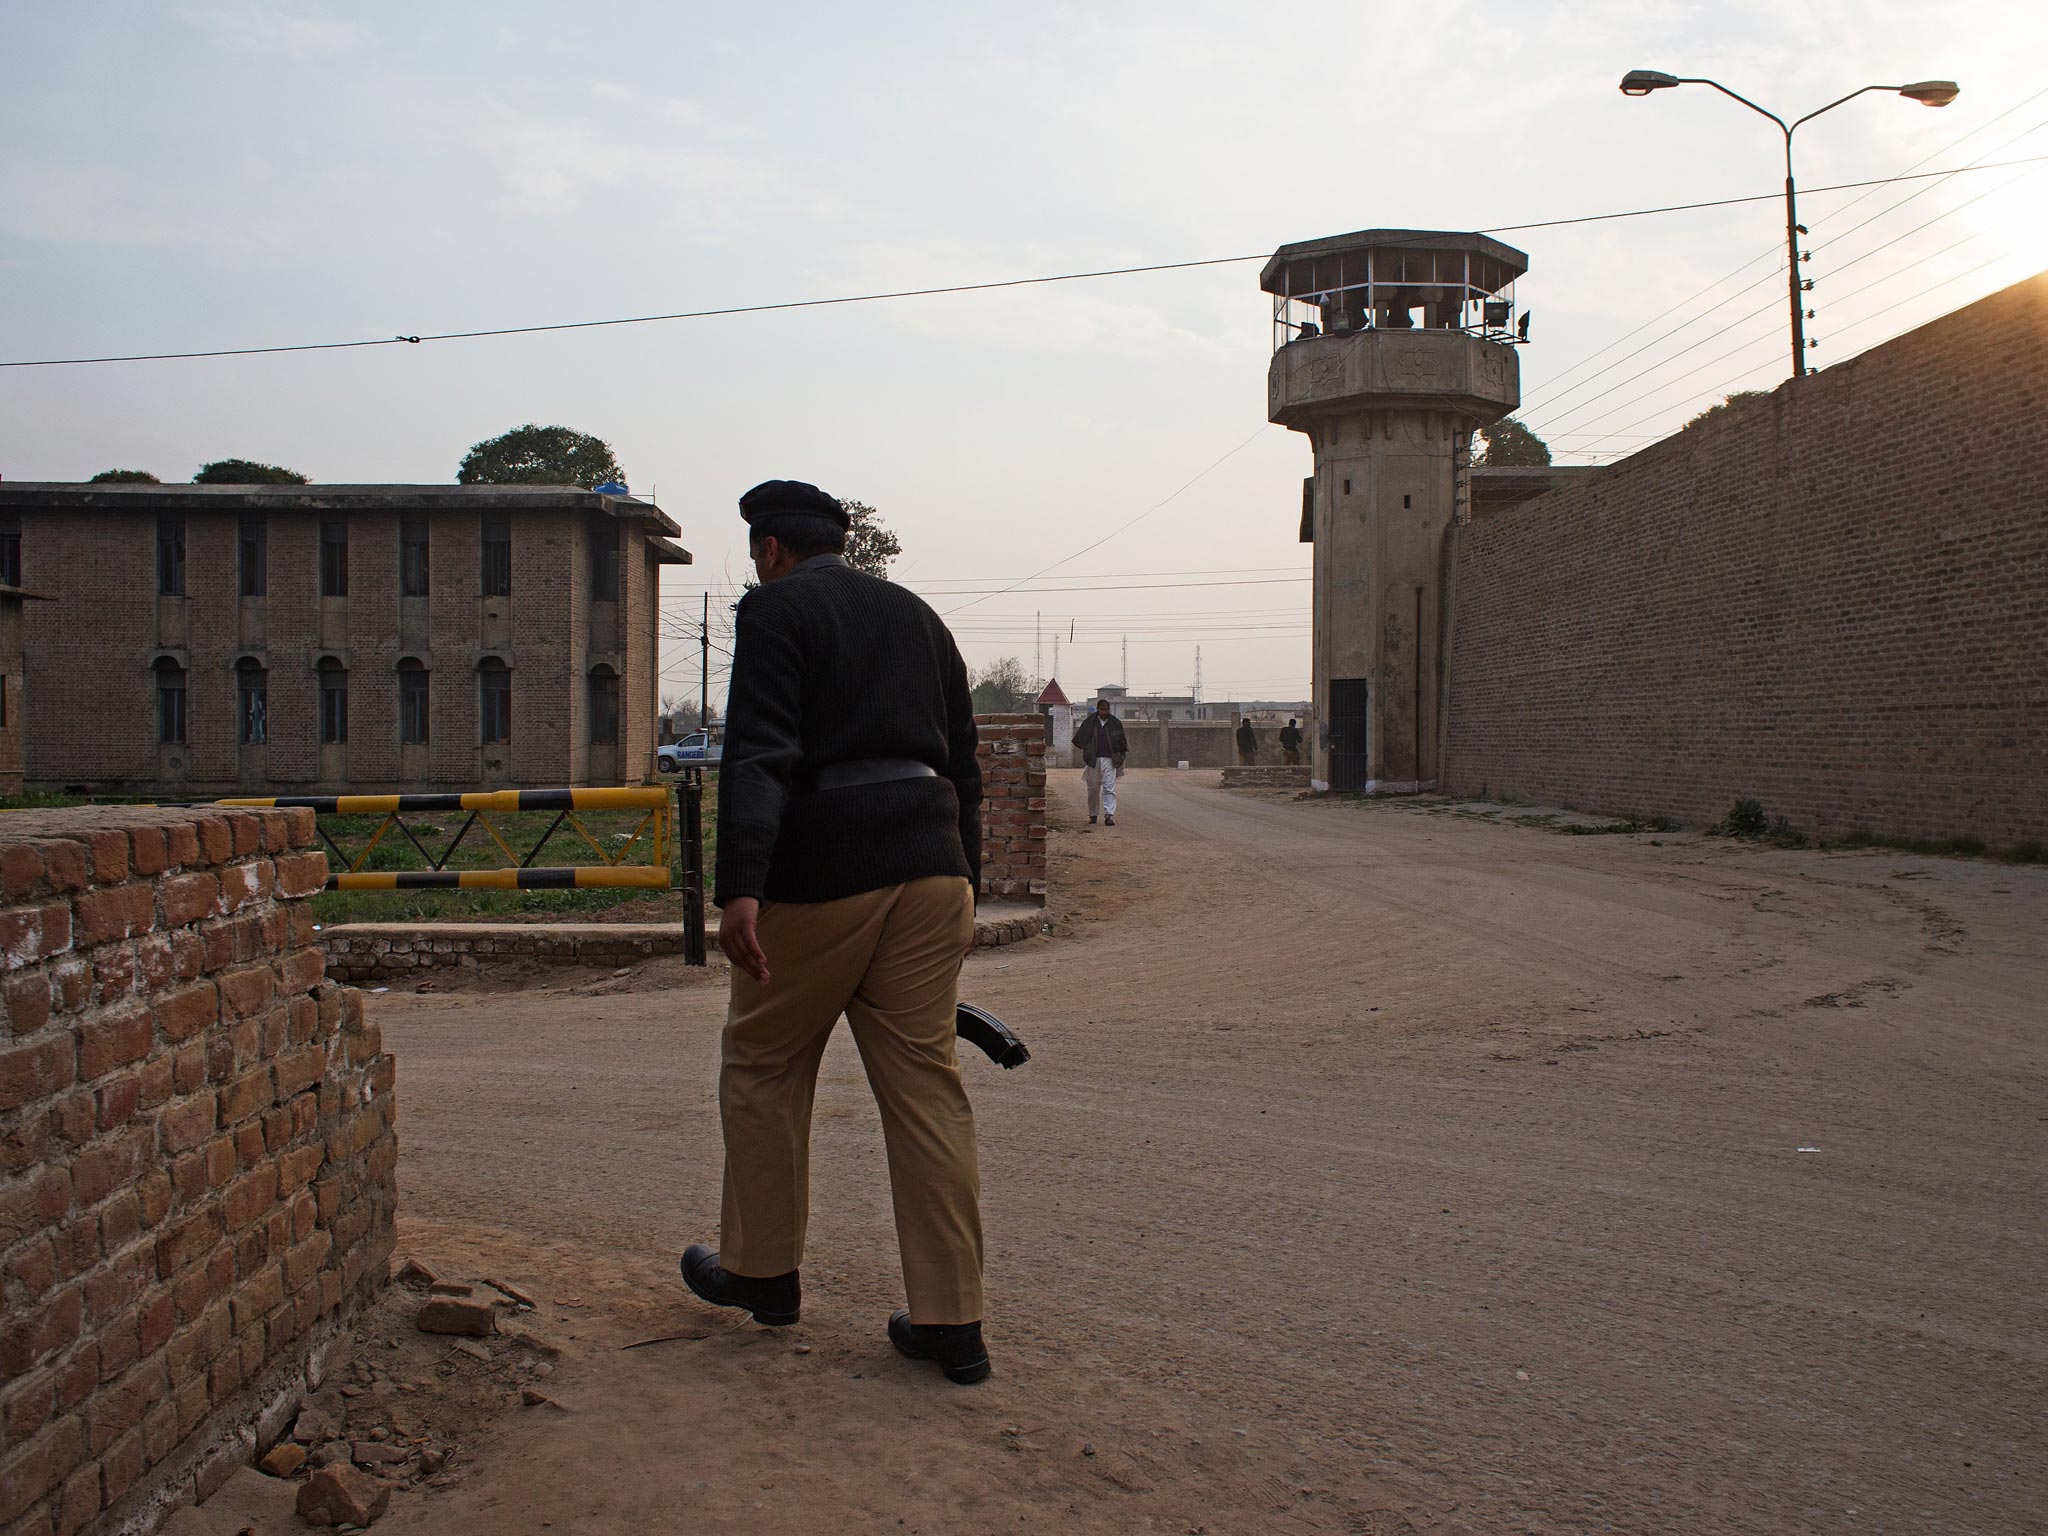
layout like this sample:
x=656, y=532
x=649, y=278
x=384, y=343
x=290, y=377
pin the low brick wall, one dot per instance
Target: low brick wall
x=366, y=954
x=361, y=953
x=1265, y=778
x=1012, y=758
x=196, y=1154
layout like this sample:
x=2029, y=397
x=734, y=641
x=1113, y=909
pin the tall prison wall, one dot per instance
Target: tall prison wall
x=1833, y=600
x=1012, y=758
x=196, y=1153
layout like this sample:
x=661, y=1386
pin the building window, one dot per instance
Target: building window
x=252, y=706
x=497, y=558
x=494, y=682
x=170, y=556
x=604, y=707
x=604, y=564
x=170, y=703
x=10, y=551
x=333, y=702
x=412, y=703
x=252, y=554
x=3, y=702
x=412, y=557
x=334, y=558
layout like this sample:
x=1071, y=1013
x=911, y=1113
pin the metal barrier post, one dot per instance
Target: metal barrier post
x=691, y=793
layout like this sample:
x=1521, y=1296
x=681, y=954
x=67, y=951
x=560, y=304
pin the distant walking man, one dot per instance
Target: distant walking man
x=1103, y=750
x=1290, y=744
x=849, y=849
x=1247, y=743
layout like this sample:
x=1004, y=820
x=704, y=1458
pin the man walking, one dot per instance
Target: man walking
x=1247, y=743
x=1290, y=744
x=849, y=850
x=1103, y=750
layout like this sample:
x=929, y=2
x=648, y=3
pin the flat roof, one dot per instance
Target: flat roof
x=81, y=496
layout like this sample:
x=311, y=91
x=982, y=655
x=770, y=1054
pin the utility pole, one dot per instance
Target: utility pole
x=1127, y=663
x=1198, y=682
x=1038, y=648
x=704, y=670
x=1055, y=653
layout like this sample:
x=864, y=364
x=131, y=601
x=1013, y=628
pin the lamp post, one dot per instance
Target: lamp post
x=1929, y=93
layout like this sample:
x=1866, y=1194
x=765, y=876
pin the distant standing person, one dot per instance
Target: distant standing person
x=1247, y=743
x=1290, y=744
x=1103, y=750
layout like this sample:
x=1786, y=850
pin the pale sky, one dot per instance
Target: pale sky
x=222, y=175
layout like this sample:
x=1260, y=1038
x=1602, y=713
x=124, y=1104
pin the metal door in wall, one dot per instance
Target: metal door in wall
x=1347, y=733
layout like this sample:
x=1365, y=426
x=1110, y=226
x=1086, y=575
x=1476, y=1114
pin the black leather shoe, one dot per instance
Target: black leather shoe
x=775, y=1302
x=1109, y=821
x=956, y=1347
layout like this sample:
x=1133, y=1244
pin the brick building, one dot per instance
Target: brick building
x=209, y=639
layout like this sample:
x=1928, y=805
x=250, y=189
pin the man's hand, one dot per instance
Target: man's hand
x=738, y=938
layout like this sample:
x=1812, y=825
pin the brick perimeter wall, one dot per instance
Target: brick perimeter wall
x=1833, y=600
x=1012, y=756
x=196, y=1153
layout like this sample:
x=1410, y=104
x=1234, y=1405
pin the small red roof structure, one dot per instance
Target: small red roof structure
x=1053, y=693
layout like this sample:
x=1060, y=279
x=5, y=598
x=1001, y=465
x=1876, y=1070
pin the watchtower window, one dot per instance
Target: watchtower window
x=10, y=551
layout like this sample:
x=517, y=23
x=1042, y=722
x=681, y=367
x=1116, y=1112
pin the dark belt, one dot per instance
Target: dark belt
x=870, y=770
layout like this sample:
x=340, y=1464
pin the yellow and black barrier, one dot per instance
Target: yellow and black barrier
x=648, y=841
x=573, y=877
x=645, y=798
x=641, y=862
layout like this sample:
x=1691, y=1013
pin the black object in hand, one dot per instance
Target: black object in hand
x=977, y=1026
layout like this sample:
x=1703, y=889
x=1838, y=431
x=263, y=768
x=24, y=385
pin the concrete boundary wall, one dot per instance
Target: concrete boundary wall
x=1833, y=600
x=196, y=1154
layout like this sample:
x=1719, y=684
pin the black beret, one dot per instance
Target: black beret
x=792, y=498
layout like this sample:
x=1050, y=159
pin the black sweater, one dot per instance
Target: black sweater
x=834, y=666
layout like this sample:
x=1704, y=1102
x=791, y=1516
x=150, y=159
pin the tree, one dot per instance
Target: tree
x=869, y=545
x=1511, y=445
x=686, y=715
x=1727, y=400
x=1001, y=688
x=124, y=477
x=535, y=455
x=246, y=472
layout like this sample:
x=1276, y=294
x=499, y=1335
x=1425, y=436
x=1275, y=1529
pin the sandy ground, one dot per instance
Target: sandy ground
x=1378, y=1170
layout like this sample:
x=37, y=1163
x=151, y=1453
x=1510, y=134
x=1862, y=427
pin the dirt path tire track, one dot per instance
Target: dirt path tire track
x=1375, y=1172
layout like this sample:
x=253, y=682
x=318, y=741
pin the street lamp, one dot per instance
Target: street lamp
x=1929, y=93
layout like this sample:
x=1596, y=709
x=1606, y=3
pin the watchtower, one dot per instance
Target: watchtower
x=1390, y=347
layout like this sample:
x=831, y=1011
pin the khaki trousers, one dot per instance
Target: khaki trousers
x=890, y=961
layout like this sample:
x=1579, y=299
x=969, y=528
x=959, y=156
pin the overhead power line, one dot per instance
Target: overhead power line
x=919, y=293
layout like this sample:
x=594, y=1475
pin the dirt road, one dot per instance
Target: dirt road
x=1377, y=1171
